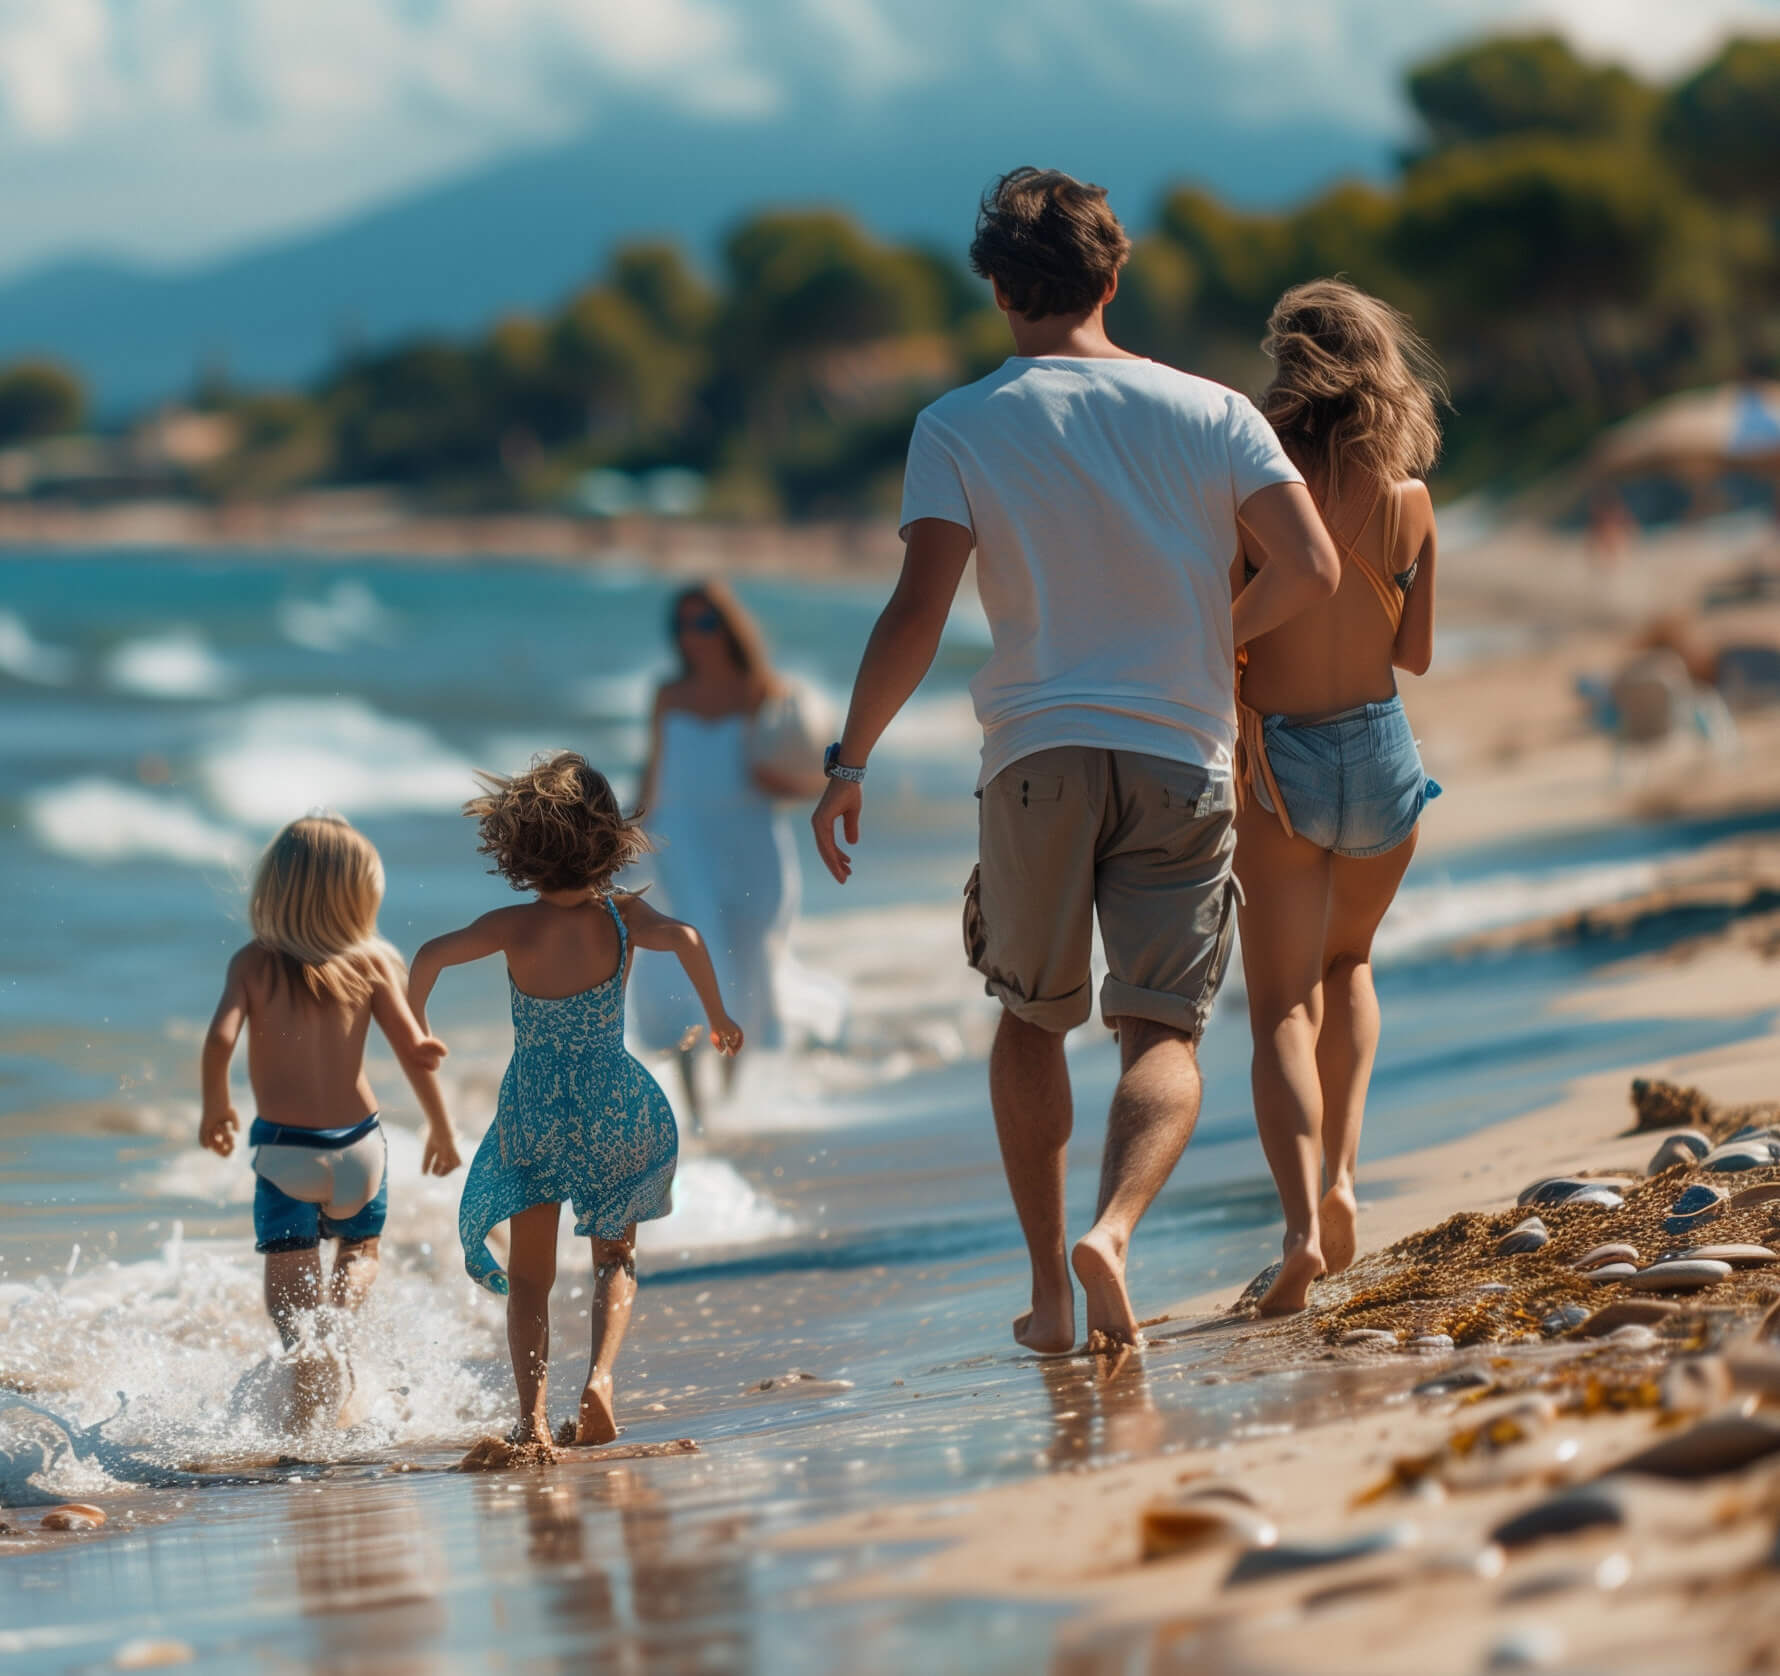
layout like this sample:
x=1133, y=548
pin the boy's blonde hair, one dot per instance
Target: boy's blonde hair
x=1356, y=387
x=555, y=826
x=314, y=906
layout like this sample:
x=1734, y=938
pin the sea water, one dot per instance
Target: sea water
x=825, y=1311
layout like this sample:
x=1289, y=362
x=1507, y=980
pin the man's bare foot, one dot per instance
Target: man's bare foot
x=1290, y=1290
x=1100, y=1266
x=1048, y=1327
x=596, y=1423
x=1339, y=1219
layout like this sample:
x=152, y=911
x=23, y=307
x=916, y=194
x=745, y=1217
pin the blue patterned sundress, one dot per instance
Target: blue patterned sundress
x=578, y=1119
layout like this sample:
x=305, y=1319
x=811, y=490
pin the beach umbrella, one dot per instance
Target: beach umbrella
x=1735, y=427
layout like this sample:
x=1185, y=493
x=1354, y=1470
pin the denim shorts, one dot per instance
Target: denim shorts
x=1353, y=784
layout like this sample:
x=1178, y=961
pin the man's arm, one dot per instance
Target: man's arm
x=899, y=652
x=1296, y=562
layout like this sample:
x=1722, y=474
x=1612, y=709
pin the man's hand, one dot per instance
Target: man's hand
x=217, y=1130
x=440, y=1155
x=842, y=802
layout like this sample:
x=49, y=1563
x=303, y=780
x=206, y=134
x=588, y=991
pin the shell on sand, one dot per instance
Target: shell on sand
x=1698, y=1196
x=1632, y=1336
x=1734, y=1159
x=1187, y=1526
x=1584, y=1508
x=73, y=1516
x=1685, y=1146
x=1607, y=1273
x=1529, y=1235
x=1430, y=1341
x=1620, y=1253
x=1368, y=1335
x=1562, y=1320
x=1628, y=1312
x=1721, y=1444
x=1566, y=1190
x=1763, y=1193
x=1680, y=1275
x=1738, y=1256
x=1597, y=1193
x=1277, y=1561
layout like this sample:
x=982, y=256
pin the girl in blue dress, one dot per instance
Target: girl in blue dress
x=578, y=1118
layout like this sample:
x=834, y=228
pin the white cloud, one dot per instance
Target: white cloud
x=177, y=127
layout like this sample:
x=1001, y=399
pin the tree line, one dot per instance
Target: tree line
x=1574, y=240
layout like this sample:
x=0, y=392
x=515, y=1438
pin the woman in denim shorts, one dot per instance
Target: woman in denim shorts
x=1330, y=784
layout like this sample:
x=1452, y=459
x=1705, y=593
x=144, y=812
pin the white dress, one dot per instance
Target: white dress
x=724, y=862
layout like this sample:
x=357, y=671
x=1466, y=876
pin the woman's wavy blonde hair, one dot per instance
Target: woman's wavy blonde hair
x=1355, y=387
x=314, y=907
x=555, y=826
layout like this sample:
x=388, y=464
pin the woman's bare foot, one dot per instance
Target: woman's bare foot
x=1290, y=1291
x=597, y=1423
x=1339, y=1219
x=1099, y=1265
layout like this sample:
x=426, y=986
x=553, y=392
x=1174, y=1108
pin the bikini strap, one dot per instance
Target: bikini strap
x=1390, y=596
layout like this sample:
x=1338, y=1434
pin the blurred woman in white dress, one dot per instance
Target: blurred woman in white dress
x=724, y=854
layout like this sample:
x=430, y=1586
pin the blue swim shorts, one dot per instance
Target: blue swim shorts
x=1353, y=784
x=283, y=1222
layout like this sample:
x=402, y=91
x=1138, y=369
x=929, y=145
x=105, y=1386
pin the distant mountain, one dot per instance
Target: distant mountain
x=522, y=233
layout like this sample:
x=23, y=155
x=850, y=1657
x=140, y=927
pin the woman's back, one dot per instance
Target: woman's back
x=1342, y=653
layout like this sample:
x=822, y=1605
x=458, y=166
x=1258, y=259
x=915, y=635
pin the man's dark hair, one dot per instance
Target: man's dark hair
x=1050, y=242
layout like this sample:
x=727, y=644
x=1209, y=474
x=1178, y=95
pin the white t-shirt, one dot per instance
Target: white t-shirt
x=1102, y=497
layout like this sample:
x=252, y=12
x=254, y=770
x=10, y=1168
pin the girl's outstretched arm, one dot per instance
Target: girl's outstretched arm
x=419, y=1055
x=477, y=941
x=651, y=930
x=220, y=1123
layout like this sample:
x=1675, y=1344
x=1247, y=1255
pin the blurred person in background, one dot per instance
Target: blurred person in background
x=1330, y=782
x=725, y=744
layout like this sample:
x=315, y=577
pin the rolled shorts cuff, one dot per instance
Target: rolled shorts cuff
x=1058, y=1014
x=1123, y=1000
x=294, y=1242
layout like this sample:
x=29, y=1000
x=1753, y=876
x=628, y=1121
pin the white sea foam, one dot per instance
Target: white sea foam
x=100, y=820
x=176, y=664
x=282, y=756
x=348, y=614
x=26, y=658
x=714, y=1205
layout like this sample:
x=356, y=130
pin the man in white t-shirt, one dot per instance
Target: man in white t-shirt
x=1102, y=494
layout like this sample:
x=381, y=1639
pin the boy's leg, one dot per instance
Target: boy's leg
x=293, y=1288
x=355, y=1268
x=614, y=1292
x=531, y=1272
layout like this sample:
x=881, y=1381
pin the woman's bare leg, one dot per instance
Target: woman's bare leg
x=1286, y=883
x=531, y=1272
x=688, y=1058
x=614, y=1291
x=1361, y=890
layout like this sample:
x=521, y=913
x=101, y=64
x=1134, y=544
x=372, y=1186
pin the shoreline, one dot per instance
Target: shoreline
x=1447, y=1596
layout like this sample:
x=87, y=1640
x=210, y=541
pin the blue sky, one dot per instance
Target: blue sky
x=174, y=130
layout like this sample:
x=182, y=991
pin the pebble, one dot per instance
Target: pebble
x=1696, y=1385
x=1628, y=1312
x=1633, y=1336
x=1738, y=1256
x=1722, y=1444
x=1763, y=1194
x=1526, y=1236
x=1606, y=1254
x=1755, y=1367
x=73, y=1516
x=1197, y=1522
x=1685, y=1146
x=1609, y=1272
x=1368, y=1335
x=1430, y=1341
x=1526, y=1647
x=1563, y=1320
x=1277, y=1561
x=1569, y=1190
x=1583, y=1508
x=1680, y=1275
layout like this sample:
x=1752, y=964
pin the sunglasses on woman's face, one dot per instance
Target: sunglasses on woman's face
x=700, y=622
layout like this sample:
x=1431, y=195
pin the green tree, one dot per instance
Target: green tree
x=1722, y=124
x=1521, y=84
x=657, y=279
x=39, y=399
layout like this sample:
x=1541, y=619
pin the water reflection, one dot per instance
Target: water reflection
x=1101, y=1406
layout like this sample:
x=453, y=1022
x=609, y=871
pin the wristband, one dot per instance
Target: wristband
x=835, y=769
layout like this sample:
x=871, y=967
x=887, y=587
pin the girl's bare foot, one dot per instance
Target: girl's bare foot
x=1099, y=1264
x=1338, y=1219
x=1049, y=1331
x=1290, y=1291
x=597, y=1423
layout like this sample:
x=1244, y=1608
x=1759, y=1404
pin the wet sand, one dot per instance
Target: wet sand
x=1441, y=1445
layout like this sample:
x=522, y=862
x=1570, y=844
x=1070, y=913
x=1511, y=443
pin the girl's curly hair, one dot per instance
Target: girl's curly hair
x=556, y=826
x=1355, y=387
